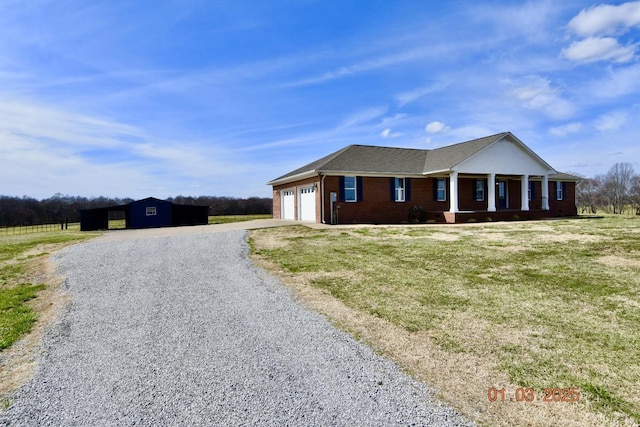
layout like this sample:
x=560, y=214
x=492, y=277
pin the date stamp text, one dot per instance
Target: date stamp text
x=528, y=394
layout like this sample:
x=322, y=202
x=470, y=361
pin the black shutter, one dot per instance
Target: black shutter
x=532, y=184
x=486, y=189
x=359, y=189
x=564, y=191
x=435, y=189
x=447, y=187
x=407, y=189
x=392, y=189
x=473, y=190
x=555, y=189
x=341, y=189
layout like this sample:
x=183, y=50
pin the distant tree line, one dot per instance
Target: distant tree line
x=616, y=192
x=25, y=210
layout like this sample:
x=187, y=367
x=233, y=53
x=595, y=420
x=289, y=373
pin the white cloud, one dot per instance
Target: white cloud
x=364, y=116
x=566, y=129
x=529, y=18
x=364, y=66
x=606, y=19
x=620, y=82
x=87, y=155
x=536, y=93
x=413, y=95
x=393, y=120
x=611, y=121
x=388, y=134
x=595, y=49
x=41, y=169
x=436, y=127
x=50, y=123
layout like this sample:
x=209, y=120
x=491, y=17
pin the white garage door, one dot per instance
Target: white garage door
x=308, y=204
x=288, y=204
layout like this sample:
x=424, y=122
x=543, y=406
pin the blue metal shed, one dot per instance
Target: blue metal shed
x=150, y=213
x=146, y=213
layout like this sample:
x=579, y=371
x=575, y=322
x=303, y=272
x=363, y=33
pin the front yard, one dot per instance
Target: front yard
x=485, y=312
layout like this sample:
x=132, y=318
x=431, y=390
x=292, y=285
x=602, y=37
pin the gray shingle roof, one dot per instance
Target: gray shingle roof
x=365, y=159
x=371, y=159
x=561, y=176
x=355, y=159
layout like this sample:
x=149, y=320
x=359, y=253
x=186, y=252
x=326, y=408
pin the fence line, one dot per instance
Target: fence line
x=26, y=229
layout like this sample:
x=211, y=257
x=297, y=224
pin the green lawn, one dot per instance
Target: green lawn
x=16, y=255
x=224, y=219
x=550, y=303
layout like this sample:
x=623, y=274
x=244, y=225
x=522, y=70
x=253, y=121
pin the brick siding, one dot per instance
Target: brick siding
x=377, y=206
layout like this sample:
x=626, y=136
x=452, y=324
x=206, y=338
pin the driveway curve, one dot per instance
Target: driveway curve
x=184, y=330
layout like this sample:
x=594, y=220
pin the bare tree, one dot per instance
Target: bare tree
x=589, y=193
x=635, y=193
x=617, y=185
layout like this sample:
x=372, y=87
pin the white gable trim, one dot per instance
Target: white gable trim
x=505, y=156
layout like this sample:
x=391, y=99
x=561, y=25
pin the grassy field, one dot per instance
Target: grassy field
x=224, y=219
x=18, y=258
x=40, y=228
x=472, y=308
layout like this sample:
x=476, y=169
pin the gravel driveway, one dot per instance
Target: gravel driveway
x=183, y=330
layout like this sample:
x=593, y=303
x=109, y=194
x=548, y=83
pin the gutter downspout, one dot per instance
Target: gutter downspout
x=322, y=219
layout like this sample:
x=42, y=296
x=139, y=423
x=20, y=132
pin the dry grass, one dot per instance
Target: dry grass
x=18, y=362
x=24, y=260
x=539, y=304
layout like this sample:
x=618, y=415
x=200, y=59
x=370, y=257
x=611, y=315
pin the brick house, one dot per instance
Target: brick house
x=492, y=178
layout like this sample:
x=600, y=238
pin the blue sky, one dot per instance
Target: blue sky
x=186, y=97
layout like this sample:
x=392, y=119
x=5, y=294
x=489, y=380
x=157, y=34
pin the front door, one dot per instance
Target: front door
x=503, y=195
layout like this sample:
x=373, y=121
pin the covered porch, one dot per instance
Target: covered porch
x=496, y=197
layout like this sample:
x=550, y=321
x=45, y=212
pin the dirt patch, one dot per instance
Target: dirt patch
x=618, y=262
x=446, y=237
x=567, y=237
x=543, y=237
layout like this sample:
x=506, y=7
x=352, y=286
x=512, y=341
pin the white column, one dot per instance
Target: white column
x=453, y=192
x=491, y=196
x=524, y=205
x=545, y=192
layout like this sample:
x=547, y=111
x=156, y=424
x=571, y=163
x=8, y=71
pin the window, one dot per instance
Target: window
x=350, y=189
x=399, y=190
x=559, y=191
x=151, y=210
x=479, y=190
x=441, y=189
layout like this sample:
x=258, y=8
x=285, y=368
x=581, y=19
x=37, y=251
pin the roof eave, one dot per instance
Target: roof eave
x=562, y=176
x=292, y=178
x=434, y=172
x=385, y=174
